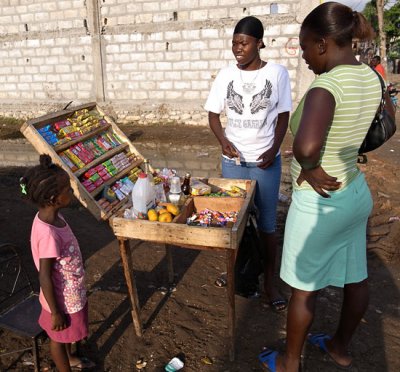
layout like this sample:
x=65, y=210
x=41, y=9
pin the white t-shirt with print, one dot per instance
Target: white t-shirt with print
x=251, y=116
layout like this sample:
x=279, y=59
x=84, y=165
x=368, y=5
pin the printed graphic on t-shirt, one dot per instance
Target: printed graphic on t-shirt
x=234, y=100
x=261, y=100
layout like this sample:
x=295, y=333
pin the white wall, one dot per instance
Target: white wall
x=144, y=60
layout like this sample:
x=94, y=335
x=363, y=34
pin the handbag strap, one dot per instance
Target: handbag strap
x=383, y=86
x=362, y=158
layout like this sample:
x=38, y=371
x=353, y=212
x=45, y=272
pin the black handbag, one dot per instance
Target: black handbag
x=383, y=125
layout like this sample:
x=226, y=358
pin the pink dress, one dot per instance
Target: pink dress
x=48, y=241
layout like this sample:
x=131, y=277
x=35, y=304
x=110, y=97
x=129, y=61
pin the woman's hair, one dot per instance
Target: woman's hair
x=338, y=22
x=40, y=183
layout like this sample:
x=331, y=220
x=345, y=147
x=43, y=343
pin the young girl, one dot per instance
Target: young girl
x=58, y=259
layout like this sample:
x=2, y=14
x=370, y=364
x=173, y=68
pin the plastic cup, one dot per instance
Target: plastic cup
x=175, y=187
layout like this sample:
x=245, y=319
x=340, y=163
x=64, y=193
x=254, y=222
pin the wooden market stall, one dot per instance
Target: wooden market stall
x=97, y=155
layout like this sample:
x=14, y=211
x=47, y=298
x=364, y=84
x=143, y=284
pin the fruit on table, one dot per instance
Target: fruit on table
x=162, y=210
x=165, y=217
x=173, y=209
x=152, y=215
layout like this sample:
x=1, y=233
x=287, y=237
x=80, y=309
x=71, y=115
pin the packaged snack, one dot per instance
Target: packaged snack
x=98, y=182
x=79, y=163
x=199, y=188
x=67, y=161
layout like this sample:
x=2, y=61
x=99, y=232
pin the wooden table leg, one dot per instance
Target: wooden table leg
x=170, y=264
x=230, y=268
x=126, y=258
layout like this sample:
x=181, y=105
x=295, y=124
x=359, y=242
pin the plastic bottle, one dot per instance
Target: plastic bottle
x=186, y=184
x=143, y=196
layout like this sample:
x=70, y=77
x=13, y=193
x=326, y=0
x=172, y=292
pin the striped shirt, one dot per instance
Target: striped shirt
x=357, y=93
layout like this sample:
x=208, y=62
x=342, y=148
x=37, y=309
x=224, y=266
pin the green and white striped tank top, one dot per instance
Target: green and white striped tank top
x=357, y=93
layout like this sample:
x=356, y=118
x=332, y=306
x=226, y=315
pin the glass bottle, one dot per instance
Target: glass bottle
x=186, y=184
x=146, y=169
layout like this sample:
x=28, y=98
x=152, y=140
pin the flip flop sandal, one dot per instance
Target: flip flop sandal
x=318, y=340
x=83, y=364
x=221, y=281
x=267, y=359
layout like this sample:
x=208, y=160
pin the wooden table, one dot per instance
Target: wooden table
x=179, y=234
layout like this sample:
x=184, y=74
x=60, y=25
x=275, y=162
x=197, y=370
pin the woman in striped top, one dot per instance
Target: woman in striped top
x=325, y=234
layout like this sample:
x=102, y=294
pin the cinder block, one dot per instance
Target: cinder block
x=164, y=85
x=173, y=56
x=33, y=43
x=63, y=69
x=175, y=35
x=272, y=30
x=213, y=164
x=191, y=34
x=164, y=66
x=209, y=33
x=162, y=17
x=199, y=15
x=169, y=5
x=284, y=8
x=291, y=29
x=218, y=13
x=121, y=38
x=153, y=6
x=144, y=18
x=174, y=164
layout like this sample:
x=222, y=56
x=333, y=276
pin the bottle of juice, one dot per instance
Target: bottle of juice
x=143, y=197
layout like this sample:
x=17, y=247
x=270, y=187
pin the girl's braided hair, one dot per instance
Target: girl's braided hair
x=40, y=183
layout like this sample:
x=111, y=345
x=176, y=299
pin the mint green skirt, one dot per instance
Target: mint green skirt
x=325, y=238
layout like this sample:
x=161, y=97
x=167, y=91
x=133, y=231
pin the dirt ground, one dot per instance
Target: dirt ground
x=192, y=319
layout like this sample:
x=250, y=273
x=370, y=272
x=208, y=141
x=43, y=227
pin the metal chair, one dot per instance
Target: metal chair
x=19, y=304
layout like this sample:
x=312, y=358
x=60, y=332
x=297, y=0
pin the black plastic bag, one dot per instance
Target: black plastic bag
x=249, y=261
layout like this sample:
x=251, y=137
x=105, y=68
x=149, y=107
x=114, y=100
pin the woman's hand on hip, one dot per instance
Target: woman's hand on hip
x=267, y=159
x=319, y=180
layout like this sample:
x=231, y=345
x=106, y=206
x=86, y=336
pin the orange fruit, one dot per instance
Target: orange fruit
x=173, y=209
x=152, y=215
x=165, y=217
x=162, y=210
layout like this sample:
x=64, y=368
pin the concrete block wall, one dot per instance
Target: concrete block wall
x=146, y=60
x=45, y=55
